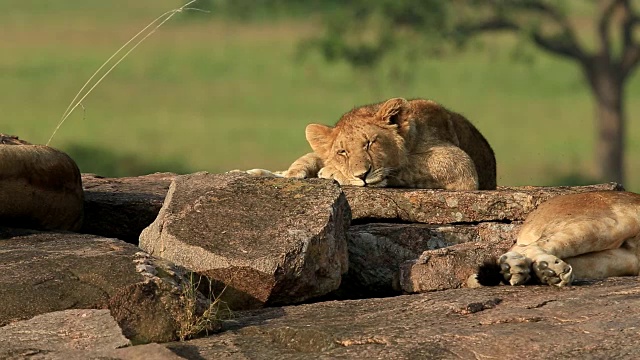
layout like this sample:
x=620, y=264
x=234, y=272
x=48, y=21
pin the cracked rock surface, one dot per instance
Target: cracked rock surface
x=379, y=253
x=538, y=322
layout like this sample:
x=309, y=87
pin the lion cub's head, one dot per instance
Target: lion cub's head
x=367, y=145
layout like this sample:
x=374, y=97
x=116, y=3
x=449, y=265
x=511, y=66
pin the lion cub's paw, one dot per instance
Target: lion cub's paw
x=332, y=173
x=515, y=268
x=551, y=270
x=296, y=174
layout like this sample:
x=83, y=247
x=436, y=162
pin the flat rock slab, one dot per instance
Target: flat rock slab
x=78, y=329
x=595, y=321
x=451, y=207
x=46, y=272
x=269, y=240
x=140, y=352
x=377, y=251
x=122, y=207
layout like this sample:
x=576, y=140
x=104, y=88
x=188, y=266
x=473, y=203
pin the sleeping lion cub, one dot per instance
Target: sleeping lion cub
x=398, y=143
x=590, y=235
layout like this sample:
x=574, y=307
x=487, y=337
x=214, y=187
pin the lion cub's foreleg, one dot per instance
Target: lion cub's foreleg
x=305, y=167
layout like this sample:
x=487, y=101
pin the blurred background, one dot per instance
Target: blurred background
x=551, y=84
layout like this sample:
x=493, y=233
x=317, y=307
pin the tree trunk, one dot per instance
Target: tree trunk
x=608, y=88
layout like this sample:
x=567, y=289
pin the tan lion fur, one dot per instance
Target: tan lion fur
x=579, y=236
x=399, y=143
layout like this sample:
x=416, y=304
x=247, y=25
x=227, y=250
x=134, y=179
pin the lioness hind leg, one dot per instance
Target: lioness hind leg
x=607, y=263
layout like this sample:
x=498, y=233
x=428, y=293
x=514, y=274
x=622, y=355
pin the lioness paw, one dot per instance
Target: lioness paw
x=515, y=268
x=553, y=271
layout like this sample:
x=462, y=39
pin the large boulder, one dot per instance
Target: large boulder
x=598, y=320
x=40, y=187
x=454, y=207
x=122, y=207
x=267, y=240
x=152, y=299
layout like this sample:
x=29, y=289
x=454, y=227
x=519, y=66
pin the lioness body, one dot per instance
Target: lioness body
x=399, y=143
x=579, y=236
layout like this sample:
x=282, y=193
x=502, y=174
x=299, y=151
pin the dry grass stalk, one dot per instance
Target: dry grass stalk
x=137, y=39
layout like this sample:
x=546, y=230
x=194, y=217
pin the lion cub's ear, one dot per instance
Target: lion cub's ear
x=320, y=138
x=391, y=110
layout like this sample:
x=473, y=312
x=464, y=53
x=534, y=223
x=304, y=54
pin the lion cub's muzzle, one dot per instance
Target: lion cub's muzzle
x=369, y=177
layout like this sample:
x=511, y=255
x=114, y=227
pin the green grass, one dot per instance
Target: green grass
x=216, y=96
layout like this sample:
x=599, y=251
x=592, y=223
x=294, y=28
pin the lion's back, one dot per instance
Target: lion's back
x=459, y=130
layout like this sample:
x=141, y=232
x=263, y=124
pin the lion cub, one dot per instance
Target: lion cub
x=398, y=143
x=590, y=235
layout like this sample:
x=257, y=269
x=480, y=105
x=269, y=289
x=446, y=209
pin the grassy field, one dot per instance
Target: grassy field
x=214, y=95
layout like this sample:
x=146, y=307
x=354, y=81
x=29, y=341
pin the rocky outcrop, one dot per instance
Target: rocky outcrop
x=46, y=272
x=525, y=322
x=376, y=250
x=268, y=240
x=122, y=207
x=453, y=207
x=274, y=241
x=40, y=187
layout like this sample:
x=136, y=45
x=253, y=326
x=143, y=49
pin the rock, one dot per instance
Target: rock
x=448, y=268
x=377, y=250
x=144, y=352
x=122, y=207
x=78, y=334
x=269, y=240
x=62, y=330
x=46, y=272
x=454, y=207
x=528, y=322
x=40, y=187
